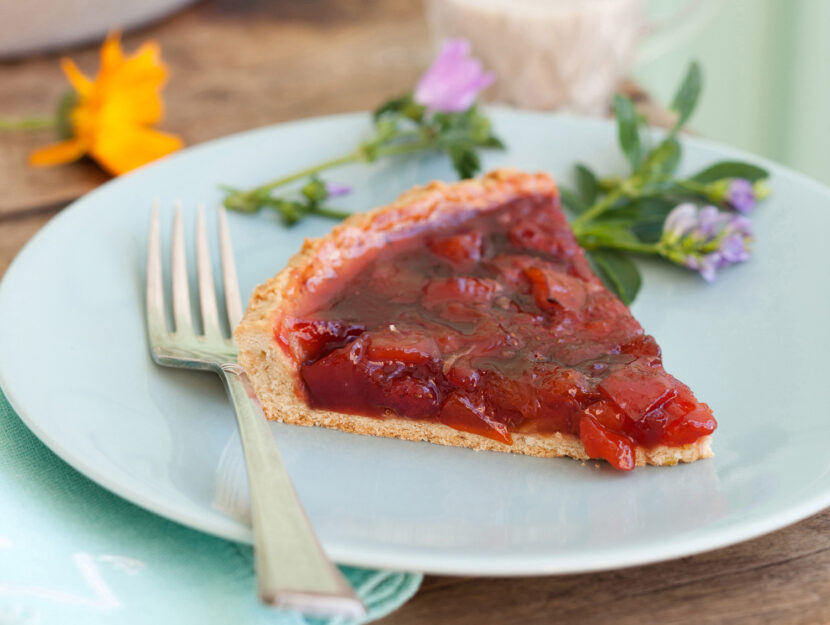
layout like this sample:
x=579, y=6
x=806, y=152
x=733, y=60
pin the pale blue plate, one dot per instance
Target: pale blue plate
x=754, y=345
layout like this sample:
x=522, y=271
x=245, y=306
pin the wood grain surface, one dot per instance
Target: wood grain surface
x=238, y=65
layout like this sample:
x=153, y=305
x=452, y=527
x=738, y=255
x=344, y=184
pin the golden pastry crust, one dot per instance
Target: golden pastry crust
x=273, y=371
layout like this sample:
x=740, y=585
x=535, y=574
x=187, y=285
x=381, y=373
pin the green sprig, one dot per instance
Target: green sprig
x=618, y=216
x=401, y=127
x=310, y=199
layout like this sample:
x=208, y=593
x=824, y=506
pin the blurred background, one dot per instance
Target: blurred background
x=766, y=62
x=238, y=64
x=767, y=67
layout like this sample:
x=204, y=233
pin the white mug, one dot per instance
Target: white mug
x=551, y=54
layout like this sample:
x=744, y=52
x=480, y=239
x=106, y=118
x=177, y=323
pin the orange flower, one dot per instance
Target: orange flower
x=112, y=119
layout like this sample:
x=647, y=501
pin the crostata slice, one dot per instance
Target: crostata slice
x=467, y=314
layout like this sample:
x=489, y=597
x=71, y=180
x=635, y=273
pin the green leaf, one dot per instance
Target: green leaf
x=291, y=212
x=664, y=159
x=607, y=233
x=685, y=100
x=618, y=273
x=477, y=125
x=648, y=231
x=586, y=184
x=385, y=129
x=643, y=217
x=628, y=129
x=647, y=209
x=572, y=200
x=395, y=105
x=465, y=160
x=245, y=201
x=493, y=142
x=653, y=209
x=460, y=135
x=730, y=169
x=404, y=106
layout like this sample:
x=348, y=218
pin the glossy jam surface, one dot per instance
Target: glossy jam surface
x=495, y=326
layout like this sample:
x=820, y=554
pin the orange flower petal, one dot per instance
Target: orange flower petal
x=57, y=153
x=144, y=67
x=131, y=95
x=130, y=107
x=122, y=149
x=148, y=54
x=112, y=56
x=76, y=77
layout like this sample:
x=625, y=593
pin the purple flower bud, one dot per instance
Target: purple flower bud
x=705, y=240
x=337, y=190
x=454, y=80
x=741, y=195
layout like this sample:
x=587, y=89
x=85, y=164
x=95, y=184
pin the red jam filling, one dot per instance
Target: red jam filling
x=496, y=326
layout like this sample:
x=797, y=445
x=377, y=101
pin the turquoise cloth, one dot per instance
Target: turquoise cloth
x=72, y=552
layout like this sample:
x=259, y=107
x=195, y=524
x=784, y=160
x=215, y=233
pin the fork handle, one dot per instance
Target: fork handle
x=292, y=570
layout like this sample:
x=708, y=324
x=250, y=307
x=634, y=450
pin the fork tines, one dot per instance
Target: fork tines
x=211, y=325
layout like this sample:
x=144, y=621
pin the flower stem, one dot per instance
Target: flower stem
x=331, y=213
x=310, y=171
x=597, y=209
x=406, y=148
x=638, y=248
x=690, y=185
x=26, y=123
x=252, y=199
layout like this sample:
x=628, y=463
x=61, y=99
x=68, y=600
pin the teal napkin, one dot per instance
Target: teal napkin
x=72, y=552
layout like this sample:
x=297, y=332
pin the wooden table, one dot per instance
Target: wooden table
x=240, y=65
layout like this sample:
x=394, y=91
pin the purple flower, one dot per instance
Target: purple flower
x=740, y=195
x=705, y=239
x=680, y=221
x=734, y=249
x=454, y=80
x=738, y=224
x=707, y=265
x=334, y=189
x=737, y=193
x=710, y=221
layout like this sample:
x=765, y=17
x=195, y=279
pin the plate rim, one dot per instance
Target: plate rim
x=391, y=557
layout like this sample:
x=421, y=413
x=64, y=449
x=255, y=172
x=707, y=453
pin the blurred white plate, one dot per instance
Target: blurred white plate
x=74, y=363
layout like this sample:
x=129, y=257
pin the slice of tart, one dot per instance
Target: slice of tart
x=468, y=315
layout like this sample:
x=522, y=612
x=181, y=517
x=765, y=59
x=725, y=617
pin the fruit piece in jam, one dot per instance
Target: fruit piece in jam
x=496, y=326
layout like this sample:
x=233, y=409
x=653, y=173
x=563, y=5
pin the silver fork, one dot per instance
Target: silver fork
x=293, y=571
